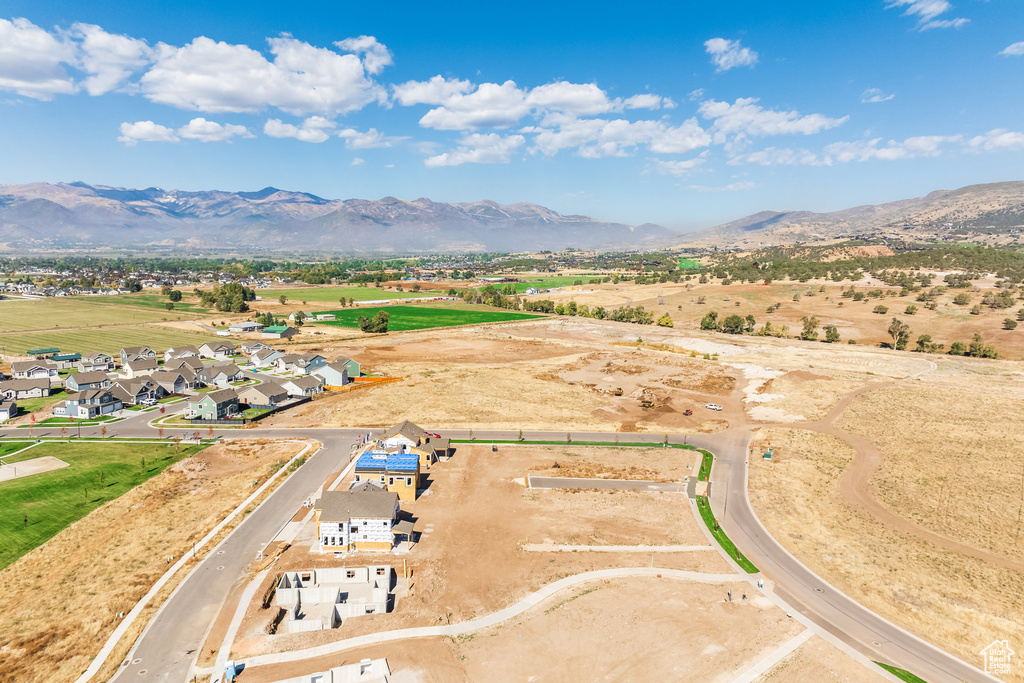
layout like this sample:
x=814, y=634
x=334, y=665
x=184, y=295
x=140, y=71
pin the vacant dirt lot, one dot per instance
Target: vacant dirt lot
x=655, y=464
x=959, y=603
x=60, y=601
x=637, y=629
x=474, y=518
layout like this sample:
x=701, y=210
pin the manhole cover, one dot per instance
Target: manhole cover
x=875, y=643
x=819, y=590
x=142, y=672
x=136, y=661
x=220, y=568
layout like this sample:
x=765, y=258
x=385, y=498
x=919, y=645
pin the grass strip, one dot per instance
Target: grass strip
x=705, y=466
x=613, y=444
x=902, y=674
x=709, y=518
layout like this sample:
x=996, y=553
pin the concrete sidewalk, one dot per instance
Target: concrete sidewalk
x=605, y=484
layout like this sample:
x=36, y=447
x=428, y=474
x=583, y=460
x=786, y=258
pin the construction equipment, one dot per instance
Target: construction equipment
x=618, y=391
x=687, y=412
x=650, y=404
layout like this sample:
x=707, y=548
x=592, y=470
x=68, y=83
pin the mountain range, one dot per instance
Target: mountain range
x=44, y=216
x=992, y=212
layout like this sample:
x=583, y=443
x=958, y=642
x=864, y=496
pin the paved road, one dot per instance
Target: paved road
x=183, y=622
x=606, y=484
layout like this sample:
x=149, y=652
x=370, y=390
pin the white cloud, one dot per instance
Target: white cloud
x=776, y=156
x=489, y=148
x=731, y=187
x=146, y=131
x=927, y=13
x=729, y=54
x=581, y=99
x=596, y=138
x=695, y=95
x=376, y=55
x=31, y=61
x=998, y=140
x=679, y=168
x=648, y=101
x=313, y=129
x=211, y=131
x=864, y=150
x=437, y=90
x=108, y=59
x=302, y=79
x=490, y=106
x=874, y=95
x=355, y=139
x=747, y=118
x=358, y=162
x=1014, y=50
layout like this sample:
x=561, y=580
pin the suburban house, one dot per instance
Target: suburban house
x=132, y=352
x=362, y=518
x=326, y=598
x=265, y=396
x=175, y=381
x=300, y=364
x=66, y=361
x=306, y=315
x=264, y=357
x=245, y=326
x=279, y=332
x=191, y=362
x=223, y=375
x=33, y=369
x=81, y=381
x=332, y=374
x=8, y=410
x=397, y=472
x=309, y=385
x=405, y=437
x=139, y=367
x=216, y=405
x=133, y=391
x=351, y=366
x=94, y=361
x=24, y=388
x=251, y=347
x=88, y=404
x=188, y=351
x=218, y=350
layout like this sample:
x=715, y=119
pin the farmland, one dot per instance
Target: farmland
x=553, y=281
x=49, y=313
x=425, y=317
x=108, y=339
x=97, y=473
x=333, y=294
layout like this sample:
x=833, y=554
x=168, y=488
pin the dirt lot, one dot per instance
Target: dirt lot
x=959, y=603
x=677, y=631
x=474, y=518
x=60, y=600
x=653, y=464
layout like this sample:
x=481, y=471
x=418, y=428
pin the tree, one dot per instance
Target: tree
x=900, y=333
x=1009, y=324
x=415, y=288
x=666, y=321
x=165, y=290
x=911, y=309
x=174, y=295
x=810, y=331
x=169, y=305
x=924, y=343
x=734, y=324
x=831, y=334
x=133, y=285
x=880, y=309
x=300, y=318
x=962, y=299
x=750, y=324
x=709, y=321
x=378, y=324
x=1020, y=314
x=957, y=349
x=281, y=299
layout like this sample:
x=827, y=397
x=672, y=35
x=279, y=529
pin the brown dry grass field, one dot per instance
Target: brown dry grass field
x=959, y=603
x=60, y=601
x=476, y=517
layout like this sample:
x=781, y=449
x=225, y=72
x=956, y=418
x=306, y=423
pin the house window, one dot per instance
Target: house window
x=391, y=481
x=357, y=477
x=355, y=530
x=408, y=481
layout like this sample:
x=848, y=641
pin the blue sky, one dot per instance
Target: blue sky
x=684, y=114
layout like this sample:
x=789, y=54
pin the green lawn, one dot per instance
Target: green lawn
x=549, y=282
x=901, y=674
x=69, y=421
x=686, y=263
x=30, y=405
x=705, y=466
x=98, y=472
x=730, y=548
x=334, y=294
x=423, y=317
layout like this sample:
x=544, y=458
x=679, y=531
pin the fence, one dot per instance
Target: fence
x=256, y=418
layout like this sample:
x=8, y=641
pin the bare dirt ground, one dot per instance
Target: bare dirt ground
x=60, y=601
x=474, y=518
x=817, y=660
x=958, y=602
x=634, y=629
x=652, y=464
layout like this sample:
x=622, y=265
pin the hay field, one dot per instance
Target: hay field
x=953, y=460
x=297, y=295
x=958, y=603
x=60, y=600
x=85, y=311
x=423, y=317
x=108, y=339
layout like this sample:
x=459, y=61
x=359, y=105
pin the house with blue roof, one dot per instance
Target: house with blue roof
x=396, y=472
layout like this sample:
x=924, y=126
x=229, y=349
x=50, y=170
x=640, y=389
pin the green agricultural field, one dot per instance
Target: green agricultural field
x=107, y=339
x=549, y=282
x=424, y=317
x=334, y=294
x=687, y=264
x=97, y=472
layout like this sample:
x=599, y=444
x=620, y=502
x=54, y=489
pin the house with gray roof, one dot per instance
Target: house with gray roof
x=215, y=405
x=362, y=518
x=81, y=381
x=14, y=389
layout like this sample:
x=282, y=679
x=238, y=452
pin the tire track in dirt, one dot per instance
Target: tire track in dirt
x=855, y=483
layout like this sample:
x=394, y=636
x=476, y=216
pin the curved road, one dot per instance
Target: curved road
x=166, y=650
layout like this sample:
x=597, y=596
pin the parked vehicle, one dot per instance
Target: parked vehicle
x=713, y=406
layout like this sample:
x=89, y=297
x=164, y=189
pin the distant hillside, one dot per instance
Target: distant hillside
x=992, y=212
x=48, y=216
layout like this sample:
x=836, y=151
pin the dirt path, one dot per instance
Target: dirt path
x=855, y=483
